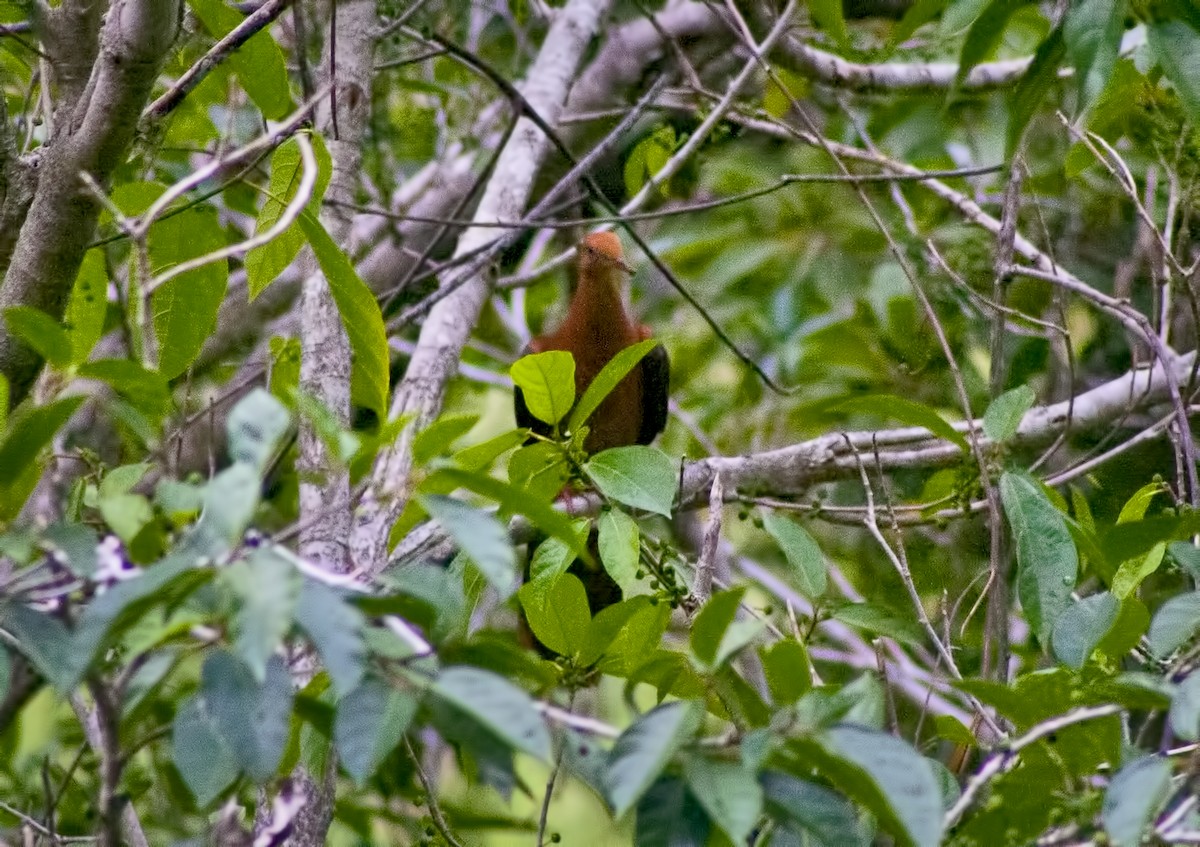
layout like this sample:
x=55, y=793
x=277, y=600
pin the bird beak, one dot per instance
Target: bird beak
x=623, y=265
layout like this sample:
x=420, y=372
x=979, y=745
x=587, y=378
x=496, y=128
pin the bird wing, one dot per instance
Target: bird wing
x=656, y=386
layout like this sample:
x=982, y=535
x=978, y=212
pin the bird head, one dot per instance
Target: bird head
x=602, y=251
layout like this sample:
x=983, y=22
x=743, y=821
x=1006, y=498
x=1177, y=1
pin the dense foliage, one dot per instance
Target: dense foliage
x=912, y=563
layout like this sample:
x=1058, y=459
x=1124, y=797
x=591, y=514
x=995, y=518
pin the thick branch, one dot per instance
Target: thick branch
x=60, y=223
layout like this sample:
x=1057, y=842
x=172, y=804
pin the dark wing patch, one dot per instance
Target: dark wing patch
x=656, y=387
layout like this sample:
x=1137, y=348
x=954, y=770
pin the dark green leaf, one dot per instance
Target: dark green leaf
x=146, y=390
x=371, y=369
x=258, y=63
x=605, y=381
x=985, y=34
x=728, y=792
x=1093, y=30
x=252, y=719
x=547, y=381
x=505, y=710
x=826, y=815
x=1004, y=414
x=1176, y=45
x=829, y=17
x=539, y=470
x=712, y=622
x=669, y=816
x=803, y=554
x=882, y=621
x=41, y=332
x=1031, y=90
x=200, y=754
x=788, y=671
x=1047, y=563
x=643, y=750
x=370, y=722
x=1187, y=556
x=639, y=476
x=335, y=628
x=1082, y=626
x=1133, y=797
x=46, y=642
x=266, y=587
x=1175, y=623
x=918, y=14
x=31, y=429
x=483, y=538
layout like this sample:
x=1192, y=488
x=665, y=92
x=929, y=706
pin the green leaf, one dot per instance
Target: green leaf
x=828, y=16
x=126, y=514
x=1174, y=624
x=802, y=552
x=258, y=63
x=1041, y=74
x=230, y=502
x=1138, y=504
x=1133, y=620
x=29, y=430
x=505, y=710
x=436, y=438
x=1131, y=573
x=371, y=368
x=479, y=457
x=256, y=428
x=185, y=307
x=788, y=671
x=547, y=381
x=146, y=390
x=1185, y=708
x=557, y=611
x=41, y=332
x=46, y=642
x=553, y=556
x=267, y=587
x=1187, y=556
x=609, y=622
x=886, y=775
x=251, y=718
x=1133, y=797
x=639, y=476
x=670, y=816
x=1004, y=414
x=483, y=538
x=371, y=720
x=619, y=542
x=88, y=306
x=335, y=628
x=1047, y=562
x=200, y=755
x=1082, y=626
x=985, y=33
x=603, y=383
x=644, y=749
x=919, y=13
x=891, y=407
x=882, y=621
x=265, y=263
x=540, y=470
x=712, y=622
x=814, y=809
x=647, y=159
x=1093, y=30
x=728, y=792
x=1176, y=45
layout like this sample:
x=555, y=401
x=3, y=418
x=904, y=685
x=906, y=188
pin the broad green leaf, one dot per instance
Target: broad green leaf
x=788, y=671
x=230, y=502
x=729, y=793
x=479, y=457
x=644, y=749
x=814, y=809
x=478, y=534
x=540, y=470
x=251, y=718
x=1031, y=90
x=985, y=33
x=891, y=407
x=371, y=720
x=557, y=611
x=713, y=620
x=46, y=642
x=1176, y=45
x=829, y=17
x=608, y=623
x=435, y=439
x=647, y=159
x=258, y=63
x=952, y=729
x=88, y=305
x=1133, y=620
x=335, y=628
x=919, y=13
x=185, y=307
x=371, y=368
x=1082, y=626
x=882, y=621
x=1175, y=623
x=122, y=479
x=547, y=382
x=860, y=701
x=265, y=263
x=146, y=390
x=554, y=556
x=1047, y=563
x=886, y=775
x=29, y=430
x=808, y=564
x=1093, y=30
x=126, y=514
x=639, y=476
x=266, y=587
x=505, y=710
x=1124, y=541
x=41, y=332
x=604, y=382
x=1133, y=797
x=1004, y=414
x=1138, y=504
x=1131, y=573
x=619, y=542
x=1187, y=556
x=75, y=545
x=1185, y=708
x=669, y=815
x=201, y=756
x=256, y=427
